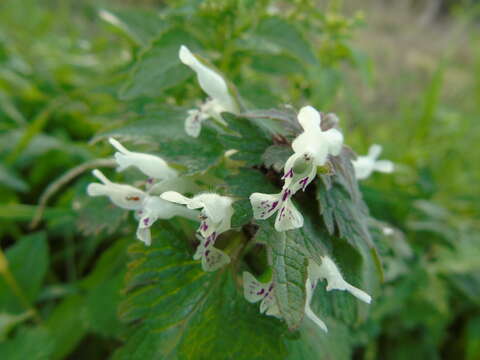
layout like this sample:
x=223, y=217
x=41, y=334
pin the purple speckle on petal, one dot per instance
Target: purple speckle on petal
x=288, y=174
x=261, y=292
x=207, y=252
x=303, y=182
x=286, y=194
x=146, y=221
x=274, y=205
x=150, y=180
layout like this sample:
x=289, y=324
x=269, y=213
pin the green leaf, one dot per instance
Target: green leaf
x=242, y=213
x=22, y=212
x=98, y=214
x=250, y=141
x=314, y=344
x=276, y=64
x=159, y=67
x=240, y=185
x=196, y=154
x=9, y=321
x=30, y=343
x=138, y=24
x=312, y=240
x=276, y=156
x=340, y=211
x=289, y=265
x=10, y=179
x=101, y=304
x=68, y=324
x=104, y=286
x=28, y=263
x=177, y=311
x=344, y=173
x=164, y=129
x=472, y=339
x=160, y=124
x=277, y=31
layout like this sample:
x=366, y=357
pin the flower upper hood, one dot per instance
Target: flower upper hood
x=217, y=210
x=124, y=196
x=314, y=141
x=152, y=166
x=210, y=81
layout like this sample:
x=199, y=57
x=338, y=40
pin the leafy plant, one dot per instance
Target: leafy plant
x=246, y=201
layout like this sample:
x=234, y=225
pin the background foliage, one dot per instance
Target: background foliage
x=404, y=74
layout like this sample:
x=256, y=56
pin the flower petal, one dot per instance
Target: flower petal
x=273, y=310
x=253, y=290
x=309, y=289
x=144, y=235
x=329, y=271
x=210, y=81
x=385, y=166
x=288, y=217
x=151, y=165
x=213, y=259
x=176, y=197
x=363, y=167
x=124, y=196
x=163, y=209
x=216, y=207
x=264, y=205
x=374, y=151
x=268, y=301
x=311, y=315
x=334, y=138
x=193, y=123
x=309, y=118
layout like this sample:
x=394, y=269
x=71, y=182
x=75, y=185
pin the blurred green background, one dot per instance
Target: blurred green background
x=404, y=74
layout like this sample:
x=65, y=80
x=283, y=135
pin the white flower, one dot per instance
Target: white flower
x=214, y=86
x=154, y=208
x=210, y=81
x=216, y=211
x=211, y=108
x=193, y=122
x=330, y=272
x=148, y=208
x=124, y=196
x=151, y=165
x=215, y=216
x=299, y=171
x=311, y=147
x=265, y=205
x=365, y=165
x=309, y=289
x=212, y=258
x=255, y=291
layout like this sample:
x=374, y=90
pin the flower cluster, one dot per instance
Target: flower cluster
x=148, y=208
x=255, y=290
x=311, y=150
x=161, y=198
